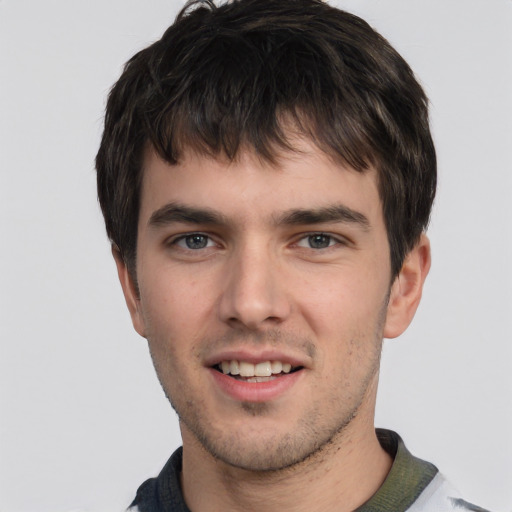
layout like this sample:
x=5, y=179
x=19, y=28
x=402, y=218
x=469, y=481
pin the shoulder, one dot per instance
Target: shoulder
x=441, y=496
x=163, y=493
x=413, y=484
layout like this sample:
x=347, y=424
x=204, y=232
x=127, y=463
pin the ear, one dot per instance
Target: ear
x=130, y=292
x=407, y=287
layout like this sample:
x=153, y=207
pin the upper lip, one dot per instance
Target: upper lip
x=257, y=356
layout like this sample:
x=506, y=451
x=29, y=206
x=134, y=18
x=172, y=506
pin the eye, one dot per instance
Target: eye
x=317, y=241
x=194, y=241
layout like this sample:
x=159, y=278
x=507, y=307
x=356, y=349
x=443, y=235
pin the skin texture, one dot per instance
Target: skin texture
x=267, y=268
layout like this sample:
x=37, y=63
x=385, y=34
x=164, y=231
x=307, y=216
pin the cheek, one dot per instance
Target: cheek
x=173, y=297
x=340, y=303
x=177, y=312
x=173, y=327
x=346, y=317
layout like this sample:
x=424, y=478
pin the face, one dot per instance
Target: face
x=264, y=295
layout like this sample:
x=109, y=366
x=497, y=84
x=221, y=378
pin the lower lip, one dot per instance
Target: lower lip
x=255, y=391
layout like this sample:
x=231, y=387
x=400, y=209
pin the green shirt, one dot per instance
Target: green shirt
x=412, y=485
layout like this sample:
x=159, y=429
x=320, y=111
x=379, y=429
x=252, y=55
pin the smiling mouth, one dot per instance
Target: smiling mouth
x=259, y=372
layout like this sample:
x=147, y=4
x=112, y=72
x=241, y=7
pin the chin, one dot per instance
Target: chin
x=267, y=449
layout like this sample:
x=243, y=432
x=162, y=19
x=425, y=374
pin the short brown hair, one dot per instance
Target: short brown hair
x=223, y=78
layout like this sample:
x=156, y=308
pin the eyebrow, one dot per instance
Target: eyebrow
x=175, y=212
x=335, y=213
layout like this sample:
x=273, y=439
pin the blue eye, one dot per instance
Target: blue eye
x=317, y=241
x=194, y=241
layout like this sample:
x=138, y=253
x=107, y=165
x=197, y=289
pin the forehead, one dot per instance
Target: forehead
x=250, y=186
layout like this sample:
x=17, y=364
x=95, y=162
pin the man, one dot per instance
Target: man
x=266, y=175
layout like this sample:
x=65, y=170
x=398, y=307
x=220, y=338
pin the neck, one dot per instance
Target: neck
x=340, y=477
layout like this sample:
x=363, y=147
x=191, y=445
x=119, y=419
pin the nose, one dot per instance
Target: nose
x=254, y=295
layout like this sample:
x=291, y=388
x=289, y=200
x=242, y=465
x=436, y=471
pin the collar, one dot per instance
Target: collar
x=407, y=479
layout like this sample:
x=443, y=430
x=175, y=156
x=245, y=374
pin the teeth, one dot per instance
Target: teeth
x=263, y=369
x=234, y=368
x=246, y=369
x=277, y=367
x=260, y=379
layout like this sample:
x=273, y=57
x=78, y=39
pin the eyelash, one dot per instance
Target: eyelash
x=175, y=241
x=332, y=240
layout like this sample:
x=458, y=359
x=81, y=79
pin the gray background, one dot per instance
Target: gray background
x=83, y=420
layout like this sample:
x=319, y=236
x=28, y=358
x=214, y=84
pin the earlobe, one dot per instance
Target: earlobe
x=130, y=292
x=407, y=288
